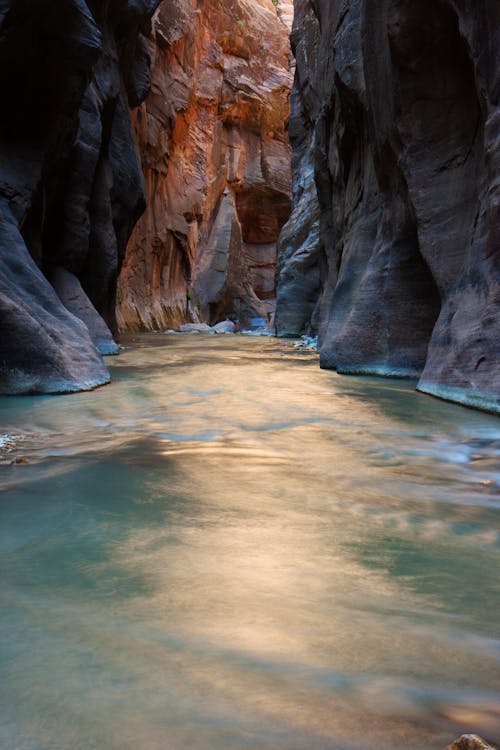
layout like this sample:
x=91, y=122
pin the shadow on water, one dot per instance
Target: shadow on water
x=229, y=548
x=398, y=399
x=67, y=517
x=423, y=567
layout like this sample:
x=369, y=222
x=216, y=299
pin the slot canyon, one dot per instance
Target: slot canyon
x=146, y=183
x=284, y=538
x=215, y=151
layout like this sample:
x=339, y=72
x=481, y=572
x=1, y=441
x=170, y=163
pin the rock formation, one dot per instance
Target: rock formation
x=216, y=159
x=71, y=186
x=392, y=253
x=470, y=742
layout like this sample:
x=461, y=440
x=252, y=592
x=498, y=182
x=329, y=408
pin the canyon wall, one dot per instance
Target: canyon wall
x=216, y=160
x=71, y=186
x=392, y=253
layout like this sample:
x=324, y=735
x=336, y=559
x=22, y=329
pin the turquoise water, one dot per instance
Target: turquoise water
x=228, y=548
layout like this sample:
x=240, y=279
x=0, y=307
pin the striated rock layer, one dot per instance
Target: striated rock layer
x=216, y=159
x=71, y=186
x=392, y=253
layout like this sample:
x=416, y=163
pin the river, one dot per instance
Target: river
x=230, y=549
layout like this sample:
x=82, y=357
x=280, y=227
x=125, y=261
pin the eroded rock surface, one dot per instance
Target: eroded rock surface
x=393, y=250
x=216, y=156
x=71, y=186
x=470, y=742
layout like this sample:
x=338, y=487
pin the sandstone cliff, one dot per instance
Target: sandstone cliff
x=393, y=250
x=216, y=159
x=71, y=187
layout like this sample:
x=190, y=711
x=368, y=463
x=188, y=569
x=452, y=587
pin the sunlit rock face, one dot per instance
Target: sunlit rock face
x=393, y=250
x=216, y=160
x=71, y=187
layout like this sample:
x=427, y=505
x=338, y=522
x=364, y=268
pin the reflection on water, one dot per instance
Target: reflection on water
x=229, y=548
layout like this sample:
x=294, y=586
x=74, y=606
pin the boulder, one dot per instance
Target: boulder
x=195, y=328
x=225, y=326
x=470, y=742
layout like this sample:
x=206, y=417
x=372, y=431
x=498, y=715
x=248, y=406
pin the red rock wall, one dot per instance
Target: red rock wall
x=216, y=160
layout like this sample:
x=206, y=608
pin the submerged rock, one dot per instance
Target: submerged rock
x=470, y=742
x=8, y=444
x=392, y=252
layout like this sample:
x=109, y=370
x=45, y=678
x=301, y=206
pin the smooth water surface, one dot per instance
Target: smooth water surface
x=230, y=549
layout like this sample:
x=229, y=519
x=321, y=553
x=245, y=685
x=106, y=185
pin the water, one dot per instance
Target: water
x=230, y=549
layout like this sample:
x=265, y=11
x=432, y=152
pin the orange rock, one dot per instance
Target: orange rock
x=216, y=159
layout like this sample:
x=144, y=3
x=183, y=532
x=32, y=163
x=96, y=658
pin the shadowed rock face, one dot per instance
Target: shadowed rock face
x=216, y=161
x=71, y=186
x=393, y=250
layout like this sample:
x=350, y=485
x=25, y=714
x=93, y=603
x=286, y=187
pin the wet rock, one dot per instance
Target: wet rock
x=392, y=251
x=213, y=139
x=307, y=343
x=8, y=443
x=20, y=461
x=195, y=328
x=225, y=326
x=71, y=294
x=43, y=347
x=470, y=742
x=71, y=186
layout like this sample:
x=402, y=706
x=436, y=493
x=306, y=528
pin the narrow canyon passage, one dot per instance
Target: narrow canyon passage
x=330, y=168
x=217, y=164
x=229, y=548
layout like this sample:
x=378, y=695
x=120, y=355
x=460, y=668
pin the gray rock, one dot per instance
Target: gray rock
x=195, y=328
x=393, y=251
x=43, y=348
x=70, y=182
x=225, y=326
x=221, y=275
x=74, y=299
